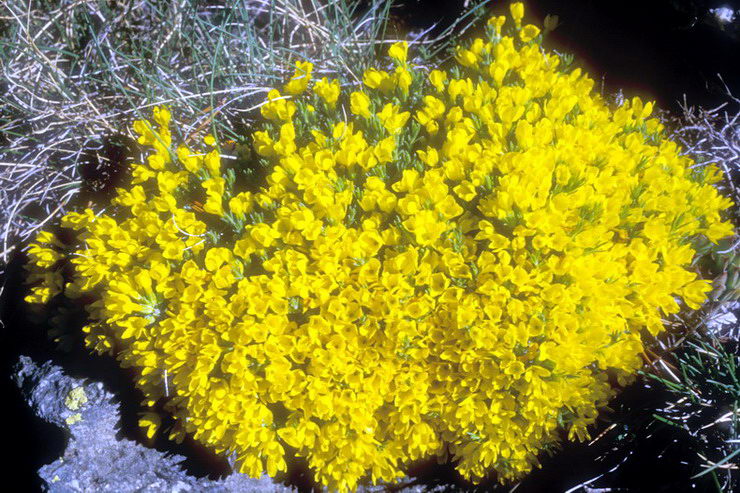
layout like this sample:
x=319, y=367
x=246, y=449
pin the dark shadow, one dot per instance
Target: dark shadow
x=34, y=442
x=299, y=475
x=105, y=166
x=656, y=50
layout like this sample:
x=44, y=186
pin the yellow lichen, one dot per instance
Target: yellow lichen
x=76, y=398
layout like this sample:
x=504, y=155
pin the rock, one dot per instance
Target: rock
x=723, y=16
x=723, y=322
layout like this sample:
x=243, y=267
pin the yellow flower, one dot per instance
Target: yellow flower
x=141, y=173
x=360, y=104
x=328, y=91
x=156, y=162
x=263, y=144
x=216, y=257
x=430, y=156
x=383, y=151
x=517, y=12
x=162, y=116
x=402, y=79
x=241, y=204
x=391, y=119
x=425, y=226
x=299, y=82
x=278, y=108
x=189, y=161
x=528, y=33
x=263, y=235
x=378, y=79
x=438, y=79
x=398, y=51
x=497, y=22
x=214, y=188
x=695, y=293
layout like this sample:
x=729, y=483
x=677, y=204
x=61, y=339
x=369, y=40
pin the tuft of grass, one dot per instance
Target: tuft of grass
x=77, y=73
x=705, y=405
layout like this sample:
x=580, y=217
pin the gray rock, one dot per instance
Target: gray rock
x=723, y=322
x=95, y=460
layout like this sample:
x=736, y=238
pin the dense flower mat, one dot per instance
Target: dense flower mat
x=443, y=262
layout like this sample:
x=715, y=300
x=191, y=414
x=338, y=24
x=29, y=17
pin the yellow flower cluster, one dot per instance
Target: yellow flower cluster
x=439, y=263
